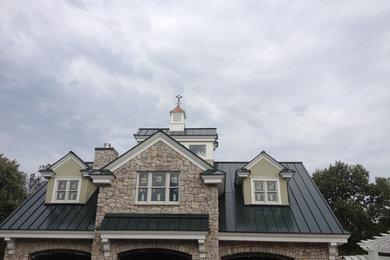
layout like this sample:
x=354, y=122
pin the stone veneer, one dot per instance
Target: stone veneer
x=103, y=156
x=301, y=251
x=195, y=197
x=24, y=247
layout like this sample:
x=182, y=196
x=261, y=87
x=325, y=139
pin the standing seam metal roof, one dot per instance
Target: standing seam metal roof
x=34, y=214
x=186, y=132
x=308, y=211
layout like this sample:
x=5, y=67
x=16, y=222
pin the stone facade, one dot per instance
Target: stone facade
x=103, y=156
x=298, y=251
x=195, y=196
x=24, y=247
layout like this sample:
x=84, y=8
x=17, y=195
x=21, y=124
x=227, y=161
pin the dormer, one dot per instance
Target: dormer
x=264, y=181
x=178, y=115
x=66, y=183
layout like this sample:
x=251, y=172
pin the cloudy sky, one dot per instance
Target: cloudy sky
x=303, y=80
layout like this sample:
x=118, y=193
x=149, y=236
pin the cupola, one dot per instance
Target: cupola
x=178, y=115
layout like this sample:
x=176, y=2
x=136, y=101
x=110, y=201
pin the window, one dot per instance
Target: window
x=198, y=149
x=66, y=190
x=265, y=192
x=158, y=187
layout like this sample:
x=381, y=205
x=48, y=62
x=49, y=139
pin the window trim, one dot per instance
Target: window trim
x=55, y=189
x=266, y=202
x=167, y=188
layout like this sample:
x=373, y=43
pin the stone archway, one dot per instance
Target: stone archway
x=153, y=254
x=60, y=254
x=256, y=256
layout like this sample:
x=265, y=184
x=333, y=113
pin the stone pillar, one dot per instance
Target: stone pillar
x=104, y=155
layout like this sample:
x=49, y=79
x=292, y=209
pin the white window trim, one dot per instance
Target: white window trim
x=253, y=180
x=149, y=187
x=54, y=196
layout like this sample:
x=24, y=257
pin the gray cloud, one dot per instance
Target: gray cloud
x=304, y=81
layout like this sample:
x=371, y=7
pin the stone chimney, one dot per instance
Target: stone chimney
x=104, y=155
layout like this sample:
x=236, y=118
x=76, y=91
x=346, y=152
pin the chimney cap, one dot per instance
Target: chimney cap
x=107, y=145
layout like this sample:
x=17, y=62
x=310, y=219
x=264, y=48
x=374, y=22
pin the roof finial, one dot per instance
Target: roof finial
x=178, y=99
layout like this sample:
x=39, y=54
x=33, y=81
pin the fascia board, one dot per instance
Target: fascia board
x=47, y=234
x=165, y=235
x=264, y=156
x=66, y=158
x=159, y=136
x=272, y=237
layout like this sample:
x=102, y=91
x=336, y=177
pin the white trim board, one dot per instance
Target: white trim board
x=263, y=156
x=272, y=237
x=159, y=136
x=68, y=157
x=165, y=235
x=47, y=234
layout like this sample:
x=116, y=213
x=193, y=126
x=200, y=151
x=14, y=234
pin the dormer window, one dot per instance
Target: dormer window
x=67, y=190
x=265, y=191
x=198, y=149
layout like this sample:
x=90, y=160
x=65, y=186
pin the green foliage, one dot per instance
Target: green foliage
x=12, y=190
x=361, y=207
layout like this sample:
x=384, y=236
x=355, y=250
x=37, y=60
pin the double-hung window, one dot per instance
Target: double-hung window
x=265, y=191
x=66, y=190
x=158, y=187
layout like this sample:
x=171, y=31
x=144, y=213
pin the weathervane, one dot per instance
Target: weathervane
x=178, y=99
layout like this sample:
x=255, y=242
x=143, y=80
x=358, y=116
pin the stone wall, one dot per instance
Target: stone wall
x=298, y=251
x=195, y=196
x=25, y=247
x=103, y=156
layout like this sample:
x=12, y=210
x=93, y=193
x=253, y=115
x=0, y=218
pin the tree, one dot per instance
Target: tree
x=12, y=190
x=33, y=183
x=362, y=208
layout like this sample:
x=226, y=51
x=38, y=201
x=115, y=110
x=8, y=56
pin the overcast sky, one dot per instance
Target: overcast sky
x=303, y=80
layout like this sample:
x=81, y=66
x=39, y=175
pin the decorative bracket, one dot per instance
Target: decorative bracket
x=106, y=246
x=10, y=245
x=202, y=248
x=332, y=251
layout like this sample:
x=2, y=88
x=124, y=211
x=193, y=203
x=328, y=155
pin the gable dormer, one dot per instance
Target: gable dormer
x=264, y=181
x=66, y=183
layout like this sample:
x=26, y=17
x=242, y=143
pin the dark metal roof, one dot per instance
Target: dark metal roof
x=155, y=222
x=34, y=214
x=308, y=211
x=186, y=132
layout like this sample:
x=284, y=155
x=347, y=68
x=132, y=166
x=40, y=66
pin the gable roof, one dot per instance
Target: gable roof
x=156, y=137
x=263, y=155
x=34, y=214
x=308, y=212
x=65, y=158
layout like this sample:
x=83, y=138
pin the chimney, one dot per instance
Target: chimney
x=104, y=155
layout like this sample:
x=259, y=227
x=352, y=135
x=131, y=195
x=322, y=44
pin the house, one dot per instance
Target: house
x=167, y=198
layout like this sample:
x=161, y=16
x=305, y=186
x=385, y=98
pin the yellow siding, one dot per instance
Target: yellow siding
x=70, y=168
x=266, y=169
